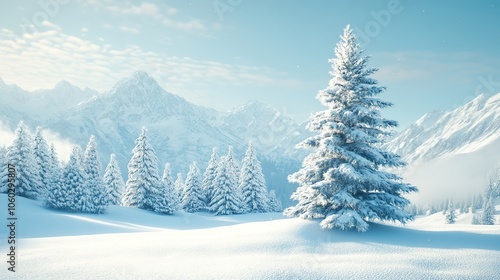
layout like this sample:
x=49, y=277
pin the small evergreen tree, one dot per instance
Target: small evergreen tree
x=342, y=180
x=96, y=197
x=179, y=186
x=43, y=161
x=54, y=162
x=274, y=203
x=144, y=188
x=209, y=176
x=451, y=215
x=193, y=199
x=21, y=155
x=252, y=183
x=475, y=219
x=170, y=193
x=488, y=215
x=225, y=199
x=234, y=168
x=65, y=192
x=113, y=181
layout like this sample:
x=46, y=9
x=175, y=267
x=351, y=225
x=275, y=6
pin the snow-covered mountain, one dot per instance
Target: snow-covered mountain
x=181, y=132
x=452, y=151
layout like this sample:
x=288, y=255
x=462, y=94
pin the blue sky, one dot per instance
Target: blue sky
x=432, y=55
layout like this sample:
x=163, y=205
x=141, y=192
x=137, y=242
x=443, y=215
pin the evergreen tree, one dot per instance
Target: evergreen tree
x=43, y=161
x=451, y=215
x=171, y=193
x=21, y=155
x=475, y=219
x=193, y=199
x=113, y=181
x=66, y=191
x=488, y=215
x=342, y=181
x=274, y=203
x=3, y=170
x=234, y=168
x=144, y=188
x=96, y=197
x=252, y=183
x=225, y=199
x=54, y=162
x=209, y=176
x=179, y=186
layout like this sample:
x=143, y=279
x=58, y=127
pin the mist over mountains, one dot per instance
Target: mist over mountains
x=447, y=152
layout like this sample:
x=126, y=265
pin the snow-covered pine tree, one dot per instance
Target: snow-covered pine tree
x=225, y=199
x=274, y=203
x=475, y=219
x=96, y=197
x=113, y=181
x=193, y=199
x=21, y=155
x=170, y=193
x=43, y=161
x=342, y=181
x=451, y=215
x=54, y=162
x=144, y=188
x=66, y=192
x=209, y=176
x=3, y=170
x=488, y=214
x=252, y=184
x=179, y=186
x=233, y=164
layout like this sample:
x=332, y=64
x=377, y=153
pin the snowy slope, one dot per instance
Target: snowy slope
x=128, y=243
x=452, y=153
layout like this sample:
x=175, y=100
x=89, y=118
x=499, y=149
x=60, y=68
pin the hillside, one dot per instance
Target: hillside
x=140, y=244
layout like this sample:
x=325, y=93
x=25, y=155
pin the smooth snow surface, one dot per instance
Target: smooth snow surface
x=129, y=243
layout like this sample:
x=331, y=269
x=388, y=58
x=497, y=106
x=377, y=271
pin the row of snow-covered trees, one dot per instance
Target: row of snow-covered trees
x=78, y=185
x=224, y=189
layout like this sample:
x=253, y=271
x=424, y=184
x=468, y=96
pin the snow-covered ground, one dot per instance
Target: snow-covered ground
x=129, y=243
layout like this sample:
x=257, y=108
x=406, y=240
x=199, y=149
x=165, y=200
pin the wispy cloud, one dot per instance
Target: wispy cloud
x=164, y=15
x=41, y=59
x=427, y=65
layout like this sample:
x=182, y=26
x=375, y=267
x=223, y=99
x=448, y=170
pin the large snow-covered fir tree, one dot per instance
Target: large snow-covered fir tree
x=233, y=165
x=66, y=191
x=144, y=188
x=451, y=214
x=21, y=155
x=113, y=181
x=209, y=175
x=169, y=199
x=96, y=197
x=342, y=180
x=43, y=161
x=252, y=183
x=193, y=199
x=226, y=199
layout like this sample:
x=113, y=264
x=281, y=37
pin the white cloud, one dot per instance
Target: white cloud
x=84, y=30
x=129, y=29
x=150, y=11
x=42, y=59
x=51, y=25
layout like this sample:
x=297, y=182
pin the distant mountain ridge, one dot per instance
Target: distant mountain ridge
x=181, y=132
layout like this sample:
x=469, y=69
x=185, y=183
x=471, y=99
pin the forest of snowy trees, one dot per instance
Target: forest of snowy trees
x=80, y=185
